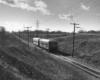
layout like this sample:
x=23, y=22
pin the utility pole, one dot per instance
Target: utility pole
x=37, y=26
x=3, y=33
x=28, y=34
x=74, y=36
x=48, y=33
x=19, y=35
x=22, y=34
x=14, y=33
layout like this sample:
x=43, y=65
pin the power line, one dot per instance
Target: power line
x=68, y=9
x=82, y=13
x=65, y=10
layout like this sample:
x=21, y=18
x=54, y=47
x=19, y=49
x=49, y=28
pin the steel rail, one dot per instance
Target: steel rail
x=85, y=68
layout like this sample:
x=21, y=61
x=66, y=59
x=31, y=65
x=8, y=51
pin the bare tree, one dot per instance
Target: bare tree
x=2, y=35
x=81, y=31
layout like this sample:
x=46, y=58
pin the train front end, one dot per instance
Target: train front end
x=53, y=46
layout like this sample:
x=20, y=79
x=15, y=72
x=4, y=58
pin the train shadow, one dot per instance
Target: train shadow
x=61, y=53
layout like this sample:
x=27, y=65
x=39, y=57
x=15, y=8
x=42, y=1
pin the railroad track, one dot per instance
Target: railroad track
x=85, y=68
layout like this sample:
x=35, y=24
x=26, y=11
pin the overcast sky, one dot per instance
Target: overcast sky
x=52, y=14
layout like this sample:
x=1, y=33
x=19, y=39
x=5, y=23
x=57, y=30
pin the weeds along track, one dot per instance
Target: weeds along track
x=18, y=51
x=6, y=75
x=23, y=68
x=23, y=53
x=85, y=68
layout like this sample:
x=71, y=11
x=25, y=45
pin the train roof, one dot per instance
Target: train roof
x=46, y=40
x=36, y=38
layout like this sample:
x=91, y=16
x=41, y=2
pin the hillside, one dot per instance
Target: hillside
x=18, y=62
x=87, y=47
x=42, y=34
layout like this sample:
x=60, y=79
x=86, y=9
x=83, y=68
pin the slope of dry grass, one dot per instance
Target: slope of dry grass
x=87, y=46
x=22, y=63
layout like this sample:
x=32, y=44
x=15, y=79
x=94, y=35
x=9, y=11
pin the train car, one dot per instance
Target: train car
x=36, y=41
x=50, y=45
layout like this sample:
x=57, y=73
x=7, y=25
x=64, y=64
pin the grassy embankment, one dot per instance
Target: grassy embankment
x=17, y=62
x=87, y=47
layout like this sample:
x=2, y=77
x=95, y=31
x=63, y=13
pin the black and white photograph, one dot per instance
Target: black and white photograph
x=49, y=39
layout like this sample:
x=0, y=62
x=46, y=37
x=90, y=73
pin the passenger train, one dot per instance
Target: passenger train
x=47, y=44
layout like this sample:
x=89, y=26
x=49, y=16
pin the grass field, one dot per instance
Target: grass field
x=87, y=46
x=18, y=62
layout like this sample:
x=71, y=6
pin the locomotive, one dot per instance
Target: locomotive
x=47, y=44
